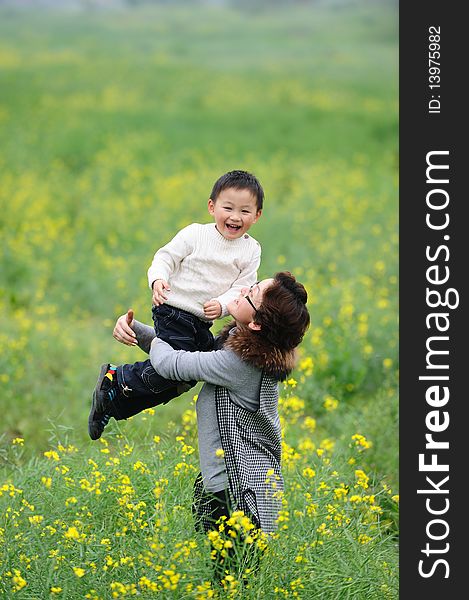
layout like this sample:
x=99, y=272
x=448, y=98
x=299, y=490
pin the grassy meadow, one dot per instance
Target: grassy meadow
x=114, y=126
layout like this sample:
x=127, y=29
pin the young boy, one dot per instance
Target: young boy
x=192, y=279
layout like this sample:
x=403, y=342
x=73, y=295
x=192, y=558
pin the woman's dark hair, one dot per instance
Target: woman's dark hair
x=239, y=180
x=283, y=315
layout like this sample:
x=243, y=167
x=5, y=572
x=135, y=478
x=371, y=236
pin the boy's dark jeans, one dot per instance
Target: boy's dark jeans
x=143, y=386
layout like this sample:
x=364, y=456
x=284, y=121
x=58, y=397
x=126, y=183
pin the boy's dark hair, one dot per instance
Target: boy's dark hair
x=239, y=180
x=283, y=315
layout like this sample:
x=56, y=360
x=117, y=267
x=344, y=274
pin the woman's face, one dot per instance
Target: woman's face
x=243, y=309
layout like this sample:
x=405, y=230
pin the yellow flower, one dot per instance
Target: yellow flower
x=18, y=581
x=170, y=579
x=309, y=423
x=323, y=530
x=347, y=310
x=387, y=363
x=186, y=449
x=340, y=492
x=18, y=441
x=220, y=453
x=327, y=444
x=306, y=445
x=182, y=468
x=362, y=478
x=307, y=365
x=361, y=442
x=140, y=466
x=309, y=472
x=382, y=303
x=47, y=481
x=10, y=489
x=36, y=519
x=330, y=403
x=55, y=590
x=79, y=572
x=395, y=498
x=380, y=266
x=69, y=448
x=52, y=454
x=362, y=329
x=72, y=533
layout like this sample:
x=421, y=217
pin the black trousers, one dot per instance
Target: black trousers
x=207, y=509
x=143, y=386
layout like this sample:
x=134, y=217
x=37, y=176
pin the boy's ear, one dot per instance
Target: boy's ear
x=254, y=326
x=211, y=206
x=258, y=214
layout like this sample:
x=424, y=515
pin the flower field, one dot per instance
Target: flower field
x=113, y=127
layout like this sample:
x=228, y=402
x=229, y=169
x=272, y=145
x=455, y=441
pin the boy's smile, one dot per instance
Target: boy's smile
x=234, y=212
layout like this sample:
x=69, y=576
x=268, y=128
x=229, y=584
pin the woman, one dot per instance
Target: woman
x=237, y=408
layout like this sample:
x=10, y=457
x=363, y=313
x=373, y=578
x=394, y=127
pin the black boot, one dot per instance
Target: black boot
x=106, y=391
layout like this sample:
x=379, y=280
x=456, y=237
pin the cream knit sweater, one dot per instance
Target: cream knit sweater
x=200, y=265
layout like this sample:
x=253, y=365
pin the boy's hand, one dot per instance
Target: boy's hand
x=159, y=288
x=123, y=331
x=212, y=309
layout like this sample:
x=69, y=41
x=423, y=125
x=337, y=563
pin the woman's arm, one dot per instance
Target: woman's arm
x=131, y=332
x=145, y=335
x=219, y=367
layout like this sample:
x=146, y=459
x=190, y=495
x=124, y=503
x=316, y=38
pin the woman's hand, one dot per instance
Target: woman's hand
x=123, y=331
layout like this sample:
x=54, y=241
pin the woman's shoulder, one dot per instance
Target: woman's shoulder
x=260, y=354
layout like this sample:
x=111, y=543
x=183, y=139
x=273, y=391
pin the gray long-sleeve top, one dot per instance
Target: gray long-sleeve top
x=217, y=368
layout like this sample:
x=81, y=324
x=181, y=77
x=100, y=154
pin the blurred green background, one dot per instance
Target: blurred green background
x=115, y=121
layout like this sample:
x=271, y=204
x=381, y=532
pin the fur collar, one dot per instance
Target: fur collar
x=253, y=349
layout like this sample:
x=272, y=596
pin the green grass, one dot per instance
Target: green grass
x=113, y=127
x=119, y=512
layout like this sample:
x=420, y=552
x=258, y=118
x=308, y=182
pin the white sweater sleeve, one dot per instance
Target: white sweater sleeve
x=247, y=277
x=169, y=256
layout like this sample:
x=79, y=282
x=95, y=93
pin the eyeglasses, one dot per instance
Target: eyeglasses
x=248, y=294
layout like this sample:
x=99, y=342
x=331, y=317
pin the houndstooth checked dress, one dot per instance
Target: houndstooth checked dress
x=252, y=443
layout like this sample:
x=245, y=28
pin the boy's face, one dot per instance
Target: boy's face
x=234, y=212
